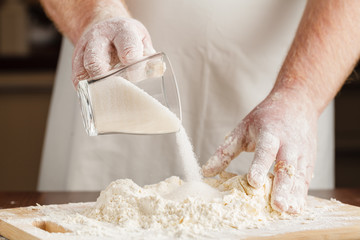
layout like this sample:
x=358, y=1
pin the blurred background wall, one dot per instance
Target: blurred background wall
x=29, y=48
x=347, y=132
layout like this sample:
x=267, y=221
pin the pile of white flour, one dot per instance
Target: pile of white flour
x=185, y=208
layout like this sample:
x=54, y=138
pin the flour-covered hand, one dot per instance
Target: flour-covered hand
x=107, y=43
x=282, y=129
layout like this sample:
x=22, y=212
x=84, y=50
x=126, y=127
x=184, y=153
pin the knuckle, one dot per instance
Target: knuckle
x=268, y=141
x=258, y=168
x=130, y=53
x=93, y=68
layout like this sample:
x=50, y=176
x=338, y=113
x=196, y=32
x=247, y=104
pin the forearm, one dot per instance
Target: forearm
x=73, y=16
x=325, y=49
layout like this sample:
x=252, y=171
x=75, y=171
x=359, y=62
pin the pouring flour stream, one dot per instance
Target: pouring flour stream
x=141, y=98
x=128, y=108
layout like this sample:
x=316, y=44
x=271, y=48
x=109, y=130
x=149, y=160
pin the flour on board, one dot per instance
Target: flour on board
x=229, y=209
x=175, y=205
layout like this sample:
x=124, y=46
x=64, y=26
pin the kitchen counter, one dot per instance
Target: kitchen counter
x=23, y=199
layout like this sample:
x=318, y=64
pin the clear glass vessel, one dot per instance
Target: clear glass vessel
x=123, y=100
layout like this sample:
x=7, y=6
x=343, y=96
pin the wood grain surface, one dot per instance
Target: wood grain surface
x=24, y=199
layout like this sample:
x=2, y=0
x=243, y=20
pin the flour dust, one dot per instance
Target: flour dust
x=121, y=106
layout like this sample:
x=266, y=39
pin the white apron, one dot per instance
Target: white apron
x=226, y=55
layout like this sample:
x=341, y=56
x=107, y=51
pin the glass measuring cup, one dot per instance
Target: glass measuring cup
x=140, y=98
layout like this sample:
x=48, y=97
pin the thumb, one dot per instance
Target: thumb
x=226, y=152
x=148, y=47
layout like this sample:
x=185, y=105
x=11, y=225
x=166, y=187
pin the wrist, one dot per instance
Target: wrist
x=300, y=93
x=294, y=101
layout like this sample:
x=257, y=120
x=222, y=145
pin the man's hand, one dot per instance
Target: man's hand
x=103, y=45
x=282, y=129
x=103, y=32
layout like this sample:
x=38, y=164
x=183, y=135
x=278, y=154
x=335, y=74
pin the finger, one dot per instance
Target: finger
x=128, y=44
x=78, y=71
x=224, y=154
x=146, y=40
x=142, y=70
x=301, y=184
x=98, y=56
x=148, y=47
x=266, y=150
x=284, y=171
x=305, y=166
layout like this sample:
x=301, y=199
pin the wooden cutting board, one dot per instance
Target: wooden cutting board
x=37, y=223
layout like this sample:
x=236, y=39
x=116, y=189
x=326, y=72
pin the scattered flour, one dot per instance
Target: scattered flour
x=234, y=211
x=230, y=209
